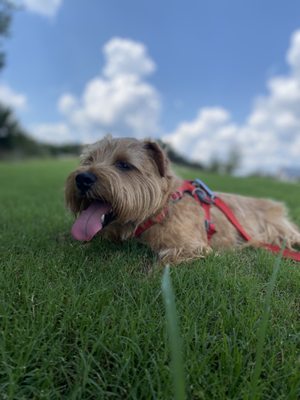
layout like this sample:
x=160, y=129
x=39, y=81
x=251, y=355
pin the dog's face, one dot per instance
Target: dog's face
x=123, y=180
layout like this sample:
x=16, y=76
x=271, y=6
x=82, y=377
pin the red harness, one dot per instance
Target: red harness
x=206, y=198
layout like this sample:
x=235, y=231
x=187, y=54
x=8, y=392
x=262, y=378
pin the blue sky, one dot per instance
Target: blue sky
x=212, y=63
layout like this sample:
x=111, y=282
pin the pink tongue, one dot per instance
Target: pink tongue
x=89, y=221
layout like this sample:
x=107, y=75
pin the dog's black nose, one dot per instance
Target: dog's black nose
x=85, y=181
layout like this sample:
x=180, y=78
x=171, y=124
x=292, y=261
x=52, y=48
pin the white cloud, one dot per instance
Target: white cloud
x=119, y=100
x=66, y=103
x=52, y=133
x=210, y=135
x=293, y=54
x=126, y=57
x=46, y=8
x=11, y=98
x=269, y=138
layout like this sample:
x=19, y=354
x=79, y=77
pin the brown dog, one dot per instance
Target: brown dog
x=121, y=183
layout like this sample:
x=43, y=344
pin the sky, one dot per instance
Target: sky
x=209, y=77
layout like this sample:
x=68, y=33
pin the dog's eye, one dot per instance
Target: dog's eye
x=88, y=160
x=123, y=165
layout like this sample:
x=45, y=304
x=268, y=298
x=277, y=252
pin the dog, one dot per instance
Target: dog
x=123, y=182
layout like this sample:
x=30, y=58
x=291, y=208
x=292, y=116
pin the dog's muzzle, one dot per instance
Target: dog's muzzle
x=85, y=181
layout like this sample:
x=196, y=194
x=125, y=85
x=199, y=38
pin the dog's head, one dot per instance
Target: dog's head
x=122, y=180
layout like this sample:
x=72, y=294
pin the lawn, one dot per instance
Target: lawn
x=89, y=322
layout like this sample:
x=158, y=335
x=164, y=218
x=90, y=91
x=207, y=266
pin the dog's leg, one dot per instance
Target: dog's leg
x=178, y=255
x=279, y=228
x=182, y=235
x=293, y=234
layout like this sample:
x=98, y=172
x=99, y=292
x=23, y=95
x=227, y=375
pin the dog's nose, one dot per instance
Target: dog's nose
x=85, y=181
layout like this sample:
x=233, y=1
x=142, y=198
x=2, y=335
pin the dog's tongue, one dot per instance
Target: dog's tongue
x=89, y=221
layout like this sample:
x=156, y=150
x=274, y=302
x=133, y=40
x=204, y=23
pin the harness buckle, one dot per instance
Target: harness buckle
x=202, y=195
x=200, y=184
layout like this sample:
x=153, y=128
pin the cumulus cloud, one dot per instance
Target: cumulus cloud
x=126, y=57
x=194, y=138
x=56, y=133
x=46, y=8
x=270, y=136
x=11, y=98
x=119, y=100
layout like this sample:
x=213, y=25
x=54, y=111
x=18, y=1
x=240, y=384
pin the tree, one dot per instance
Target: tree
x=233, y=161
x=14, y=142
x=6, y=7
x=228, y=166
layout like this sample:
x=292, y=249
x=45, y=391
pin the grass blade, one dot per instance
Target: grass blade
x=174, y=336
x=263, y=328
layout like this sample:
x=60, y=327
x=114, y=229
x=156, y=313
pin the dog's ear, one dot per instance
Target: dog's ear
x=158, y=155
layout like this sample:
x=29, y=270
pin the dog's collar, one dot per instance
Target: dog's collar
x=158, y=219
x=201, y=193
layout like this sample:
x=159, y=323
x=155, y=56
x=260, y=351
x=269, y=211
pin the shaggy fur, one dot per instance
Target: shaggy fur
x=143, y=190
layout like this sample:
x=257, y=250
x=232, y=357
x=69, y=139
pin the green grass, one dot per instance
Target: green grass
x=89, y=322
x=175, y=340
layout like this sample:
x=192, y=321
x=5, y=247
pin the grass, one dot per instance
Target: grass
x=177, y=362
x=262, y=330
x=89, y=322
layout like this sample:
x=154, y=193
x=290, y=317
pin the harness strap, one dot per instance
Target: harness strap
x=232, y=218
x=205, y=197
x=151, y=221
x=294, y=255
x=199, y=195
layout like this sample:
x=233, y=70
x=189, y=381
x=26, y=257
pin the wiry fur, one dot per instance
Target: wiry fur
x=143, y=192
